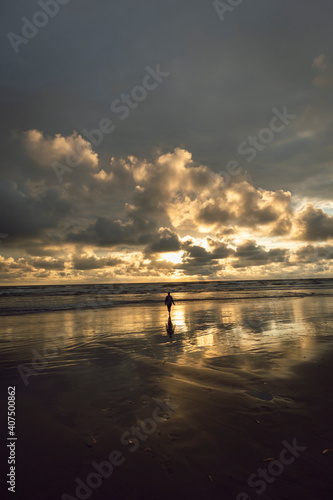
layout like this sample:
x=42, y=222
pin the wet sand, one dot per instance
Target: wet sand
x=191, y=416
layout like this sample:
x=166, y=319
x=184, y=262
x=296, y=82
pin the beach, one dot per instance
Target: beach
x=233, y=400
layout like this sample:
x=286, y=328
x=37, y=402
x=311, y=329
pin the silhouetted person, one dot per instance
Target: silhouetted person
x=170, y=328
x=169, y=301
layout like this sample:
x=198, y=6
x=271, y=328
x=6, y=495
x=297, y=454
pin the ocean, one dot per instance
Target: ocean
x=16, y=300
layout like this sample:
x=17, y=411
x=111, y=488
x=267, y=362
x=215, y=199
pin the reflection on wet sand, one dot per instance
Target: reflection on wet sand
x=170, y=327
x=223, y=365
x=286, y=330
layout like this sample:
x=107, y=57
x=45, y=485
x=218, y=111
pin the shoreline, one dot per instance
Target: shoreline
x=240, y=380
x=149, y=303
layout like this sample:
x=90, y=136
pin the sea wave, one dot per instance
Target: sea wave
x=33, y=299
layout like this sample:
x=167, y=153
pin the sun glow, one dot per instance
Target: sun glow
x=174, y=257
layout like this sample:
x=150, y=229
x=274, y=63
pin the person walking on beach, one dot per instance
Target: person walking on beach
x=169, y=301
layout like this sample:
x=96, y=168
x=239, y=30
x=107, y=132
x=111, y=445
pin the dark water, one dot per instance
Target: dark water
x=31, y=299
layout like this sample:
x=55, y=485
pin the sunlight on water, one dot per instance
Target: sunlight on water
x=283, y=330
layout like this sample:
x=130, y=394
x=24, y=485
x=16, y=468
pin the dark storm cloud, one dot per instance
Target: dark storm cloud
x=196, y=260
x=32, y=201
x=221, y=251
x=314, y=254
x=225, y=78
x=251, y=254
x=25, y=214
x=224, y=81
x=107, y=233
x=313, y=224
x=40, y=249
x=195, y=254
x=131, y=202
x=165, y=241
x=56, y=264
x=84, y=263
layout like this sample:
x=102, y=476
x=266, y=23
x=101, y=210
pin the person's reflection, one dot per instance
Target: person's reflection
x=170, y=328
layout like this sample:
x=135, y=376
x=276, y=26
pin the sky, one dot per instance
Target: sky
x=165, y=140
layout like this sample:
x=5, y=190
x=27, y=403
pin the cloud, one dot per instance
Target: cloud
x=152, y=189
x=158, y=200
x=84, y=262
x=70, y=151
x=313, y=254
x=219, y=249
x=325, y=78
x=228, y=99
x=239, y=204
x=31, y=199
x=250, y=254
x=10, y=264
x=26, y=212
x=200, y=261
x=161, y=187
x=320, y=62
x=55, y=264
x=174, y=192
x=144, y=209
x=313, y=224
x=196, y=255
x=165, y=241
